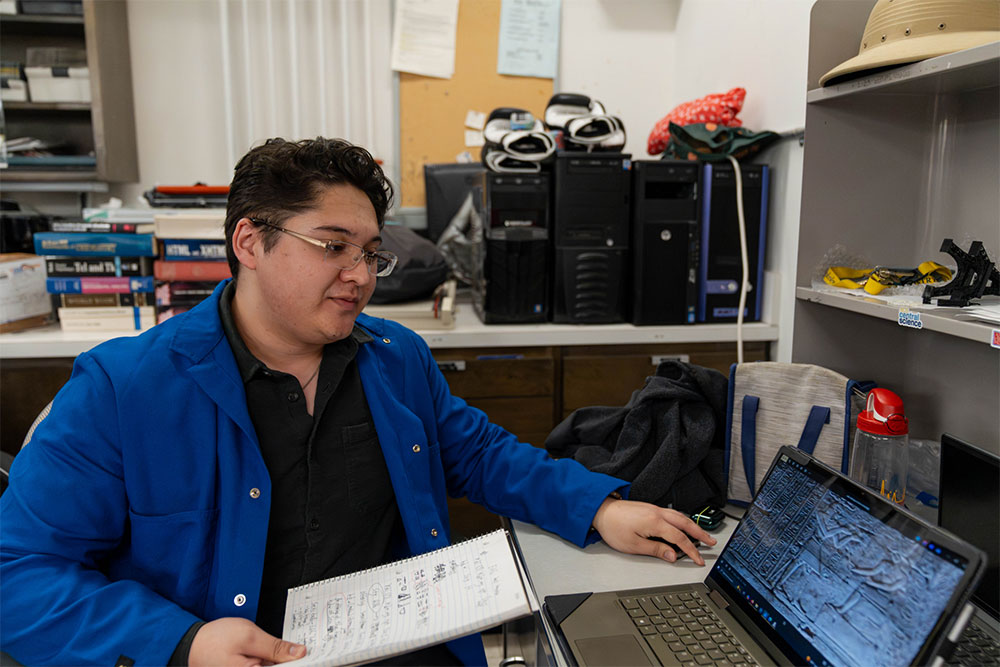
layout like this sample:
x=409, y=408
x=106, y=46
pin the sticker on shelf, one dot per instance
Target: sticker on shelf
x=909, y=319
x=995, y=339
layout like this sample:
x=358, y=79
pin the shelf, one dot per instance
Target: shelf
x=39, y=180
x=468, y=332
x=962, y=71
x=46, y=106
x=941, y=320
x=47, y=19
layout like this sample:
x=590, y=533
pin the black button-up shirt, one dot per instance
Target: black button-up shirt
x=333, y=510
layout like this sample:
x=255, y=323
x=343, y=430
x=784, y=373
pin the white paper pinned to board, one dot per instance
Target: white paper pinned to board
x=423, y=37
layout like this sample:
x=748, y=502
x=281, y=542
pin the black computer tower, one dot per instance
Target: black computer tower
x=665, y=241
x=591, y=237
x=720, y=270
x=514, y=284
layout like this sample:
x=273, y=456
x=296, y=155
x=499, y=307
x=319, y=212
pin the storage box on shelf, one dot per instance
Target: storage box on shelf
x=895, y=162
x=55, y=84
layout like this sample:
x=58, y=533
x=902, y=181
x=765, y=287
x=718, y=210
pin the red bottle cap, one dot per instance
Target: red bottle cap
x=883, y=415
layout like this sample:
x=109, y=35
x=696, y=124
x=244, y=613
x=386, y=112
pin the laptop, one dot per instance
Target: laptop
x=820, y=571
x=969, y=506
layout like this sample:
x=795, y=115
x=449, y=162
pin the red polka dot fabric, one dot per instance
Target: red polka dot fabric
x=715, y=108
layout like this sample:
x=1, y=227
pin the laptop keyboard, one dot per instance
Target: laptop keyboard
x=683, y=629
x=975, y=648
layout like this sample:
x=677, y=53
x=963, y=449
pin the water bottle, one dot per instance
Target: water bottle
x=880, y=458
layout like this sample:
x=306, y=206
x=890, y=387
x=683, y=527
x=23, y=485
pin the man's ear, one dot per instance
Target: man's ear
x=246, y=242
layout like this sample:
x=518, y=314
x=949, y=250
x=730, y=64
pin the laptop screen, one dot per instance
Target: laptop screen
x=969, y=497
x=834, y=576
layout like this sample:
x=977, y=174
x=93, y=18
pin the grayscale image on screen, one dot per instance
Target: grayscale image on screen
x=859, y=591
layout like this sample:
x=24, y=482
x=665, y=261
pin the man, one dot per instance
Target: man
x=271, y=436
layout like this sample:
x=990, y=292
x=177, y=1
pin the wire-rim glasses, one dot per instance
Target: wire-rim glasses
x=344, y=255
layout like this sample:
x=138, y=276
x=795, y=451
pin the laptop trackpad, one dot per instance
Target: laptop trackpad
x=614, y=650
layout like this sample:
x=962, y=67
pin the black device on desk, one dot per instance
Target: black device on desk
x=708, y=517
x=820, y=571
x=969, y=506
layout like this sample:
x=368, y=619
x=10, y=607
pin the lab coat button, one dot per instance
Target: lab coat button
x=416, y=449
x=240, y=600
x=434, y=532
x=255, y=493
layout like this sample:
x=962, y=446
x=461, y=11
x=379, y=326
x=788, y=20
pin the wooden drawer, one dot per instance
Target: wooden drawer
x=609, y=374
x=468, y=519
x=530, y=419
x=26, y=386
x=498, y=372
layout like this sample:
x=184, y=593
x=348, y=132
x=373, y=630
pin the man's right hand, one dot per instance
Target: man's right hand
x=237, y=641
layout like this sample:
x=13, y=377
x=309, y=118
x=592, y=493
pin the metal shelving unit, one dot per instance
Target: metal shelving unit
x=104, y=127
x=941, y=320
x=895, y=162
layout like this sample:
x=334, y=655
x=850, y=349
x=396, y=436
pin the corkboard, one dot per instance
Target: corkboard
x=432, y=111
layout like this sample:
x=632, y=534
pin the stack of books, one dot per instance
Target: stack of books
x=192, y=258
x=100, y=274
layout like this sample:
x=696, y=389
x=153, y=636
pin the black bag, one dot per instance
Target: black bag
x=421, y=266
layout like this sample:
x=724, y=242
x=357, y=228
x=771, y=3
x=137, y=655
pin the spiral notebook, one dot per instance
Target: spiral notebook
x=409, y=604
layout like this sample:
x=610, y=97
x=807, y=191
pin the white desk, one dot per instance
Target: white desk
x=468, y=331
x=555, y=566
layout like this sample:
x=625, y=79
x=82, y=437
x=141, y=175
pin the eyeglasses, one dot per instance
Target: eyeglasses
x=345, y=255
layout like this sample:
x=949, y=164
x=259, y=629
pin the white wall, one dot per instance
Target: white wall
x=177, y=83
x=621, y=52
x=212, y=78
x=642, y=58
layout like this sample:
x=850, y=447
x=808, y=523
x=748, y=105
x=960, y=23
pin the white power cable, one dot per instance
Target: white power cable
x=745, y=282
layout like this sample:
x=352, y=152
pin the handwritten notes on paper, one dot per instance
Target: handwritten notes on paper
x=423, y=37
x=529, y=38
x=408, y=604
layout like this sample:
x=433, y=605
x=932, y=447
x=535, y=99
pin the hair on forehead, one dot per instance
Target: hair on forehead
x=281, y=178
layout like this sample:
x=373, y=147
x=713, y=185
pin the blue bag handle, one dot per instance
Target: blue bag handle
x=818, y=416
x=814, y=424
x=748, y=438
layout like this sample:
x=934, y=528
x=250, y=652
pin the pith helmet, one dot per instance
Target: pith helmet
x=905, y=31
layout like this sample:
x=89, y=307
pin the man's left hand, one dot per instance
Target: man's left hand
x=627, y=525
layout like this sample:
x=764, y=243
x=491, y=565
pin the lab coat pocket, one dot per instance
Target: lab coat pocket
x=435, y=469
x=368, y=485
x=173, y=554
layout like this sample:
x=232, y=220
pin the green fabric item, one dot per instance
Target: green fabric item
x=713, y=142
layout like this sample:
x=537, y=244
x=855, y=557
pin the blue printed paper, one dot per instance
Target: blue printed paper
x=529, y=38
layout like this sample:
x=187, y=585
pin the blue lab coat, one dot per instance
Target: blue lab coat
x=141, y=503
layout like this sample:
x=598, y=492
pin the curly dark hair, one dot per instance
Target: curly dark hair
x=283, y=178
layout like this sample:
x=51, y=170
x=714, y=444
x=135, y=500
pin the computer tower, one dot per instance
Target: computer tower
x=720, y=270
x=665, y=241
x=591, y=236
x=514, y=284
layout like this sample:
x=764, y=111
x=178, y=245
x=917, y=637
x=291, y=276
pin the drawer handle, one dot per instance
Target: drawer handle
x=658, y=359
x=445, y=366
